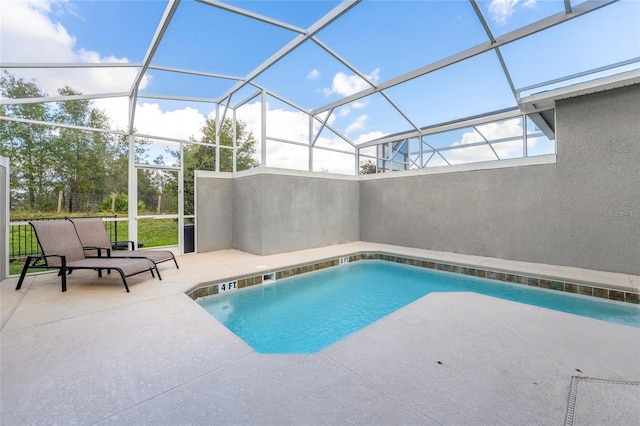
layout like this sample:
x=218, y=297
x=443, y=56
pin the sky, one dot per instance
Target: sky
x=378, y=39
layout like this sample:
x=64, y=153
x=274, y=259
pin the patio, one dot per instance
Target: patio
x=97, y=355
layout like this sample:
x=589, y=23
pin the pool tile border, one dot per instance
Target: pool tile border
x=585, y=289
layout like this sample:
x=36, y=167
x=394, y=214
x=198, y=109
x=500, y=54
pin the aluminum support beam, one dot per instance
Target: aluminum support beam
x=252, y=15
x=487, y=142
x=192, y=72
x=263, y=129
x=543, y=24
x=176, y=98
x=169, y=11
x=61, y=125
x=334, y=14
x=28, y=65
x=17, y=101
x=217, y=135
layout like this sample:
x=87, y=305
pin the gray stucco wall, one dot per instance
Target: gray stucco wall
x=599, y=180
x=213, y=211
x=276, y=212
x=4, y=202
x=484, y=212
x=247, y=217
x=583, y=211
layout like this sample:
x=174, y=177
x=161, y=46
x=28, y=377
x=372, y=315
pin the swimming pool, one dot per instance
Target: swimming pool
x=306, y=313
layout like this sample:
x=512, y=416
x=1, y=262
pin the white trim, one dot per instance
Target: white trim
x=286, y=172
x=4, y=163
x=211, y=174
x=468, y=167
x=546, y=100
x=456, y=168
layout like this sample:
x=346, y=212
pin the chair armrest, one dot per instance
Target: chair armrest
x=62, y=258
x=100, y=250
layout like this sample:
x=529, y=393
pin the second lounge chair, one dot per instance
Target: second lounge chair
x=96, y=242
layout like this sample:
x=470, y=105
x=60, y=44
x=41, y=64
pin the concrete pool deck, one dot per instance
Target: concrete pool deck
x=99, y=355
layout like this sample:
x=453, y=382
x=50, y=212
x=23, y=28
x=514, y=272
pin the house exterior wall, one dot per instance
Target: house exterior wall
x=582, y=211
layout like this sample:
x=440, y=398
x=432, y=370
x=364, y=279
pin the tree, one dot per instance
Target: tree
x=26, y=144
x=83, y=157
x=201, y=155
x=245, y=146
x=87, y=166
x=90, y=167
x=367, y=167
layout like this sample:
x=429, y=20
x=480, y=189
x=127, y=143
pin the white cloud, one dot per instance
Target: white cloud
x=333, y=162
x=491, y=131
x=500, y=130
x=150, y=119
x=313, y=74
x=293, y=126
x=501, y=10
x=529, y=3
x=358, y=124
x=359, y=104
x=369, y=137
x=343, y=111
x=346, y=85
x=29, y=34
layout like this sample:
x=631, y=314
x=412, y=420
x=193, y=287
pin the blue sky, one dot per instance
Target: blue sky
x=381, y=39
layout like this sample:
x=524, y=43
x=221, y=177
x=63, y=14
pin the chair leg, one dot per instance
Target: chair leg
x=157, y=271
x=24, y=272
x=64, y=280
x=63, y=271
x=124, y=280
x=176, y=262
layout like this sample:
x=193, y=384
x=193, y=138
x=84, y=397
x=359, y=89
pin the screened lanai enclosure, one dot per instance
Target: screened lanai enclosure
x=352, y=87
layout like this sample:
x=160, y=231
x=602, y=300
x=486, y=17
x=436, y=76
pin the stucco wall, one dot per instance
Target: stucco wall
x=4, y=203
x=583, y=211
x=213, y=211
x=599, y=180
x=495, y=213
x=267, y=211
x=276, y=212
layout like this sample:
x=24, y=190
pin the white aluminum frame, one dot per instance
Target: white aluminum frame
x=527, y=105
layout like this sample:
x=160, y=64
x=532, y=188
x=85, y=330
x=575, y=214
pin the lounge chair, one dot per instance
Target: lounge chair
x=62, y=250
x=96, y=242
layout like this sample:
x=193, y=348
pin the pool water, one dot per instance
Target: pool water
x=307, y=313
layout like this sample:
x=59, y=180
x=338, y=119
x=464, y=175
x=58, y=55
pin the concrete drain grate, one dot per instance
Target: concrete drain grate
x=602, y=401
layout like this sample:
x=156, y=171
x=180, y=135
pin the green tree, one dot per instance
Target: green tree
x=205, y=155
x=117, y=177
x=201, y=155
x=26, y=145
x=367, y=167
x=83, y=157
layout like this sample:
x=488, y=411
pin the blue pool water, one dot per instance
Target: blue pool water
x=304, y=314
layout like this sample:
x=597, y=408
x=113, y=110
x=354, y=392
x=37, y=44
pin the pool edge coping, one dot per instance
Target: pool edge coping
x=545, y=281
